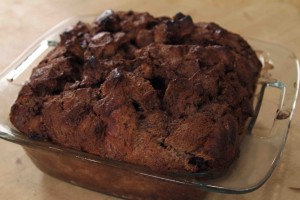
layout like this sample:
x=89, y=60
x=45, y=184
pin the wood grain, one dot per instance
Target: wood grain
x=22, y=22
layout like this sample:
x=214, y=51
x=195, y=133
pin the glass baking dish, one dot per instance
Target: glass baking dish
x=261, y=147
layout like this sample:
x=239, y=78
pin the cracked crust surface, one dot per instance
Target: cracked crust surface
x=166, y=93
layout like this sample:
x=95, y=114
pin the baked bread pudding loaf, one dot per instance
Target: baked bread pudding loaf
x=165, y=93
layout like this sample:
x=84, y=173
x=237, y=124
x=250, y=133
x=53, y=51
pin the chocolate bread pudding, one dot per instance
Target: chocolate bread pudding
x=165, y=93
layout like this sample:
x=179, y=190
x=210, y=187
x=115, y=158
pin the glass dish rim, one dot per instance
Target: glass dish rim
x=14, y=137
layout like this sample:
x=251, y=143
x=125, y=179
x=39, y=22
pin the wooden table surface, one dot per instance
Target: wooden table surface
x=21, y=22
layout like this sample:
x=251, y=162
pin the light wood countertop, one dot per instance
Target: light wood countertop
x=22, y=22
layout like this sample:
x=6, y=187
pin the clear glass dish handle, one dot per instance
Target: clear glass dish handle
x=257, y=107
